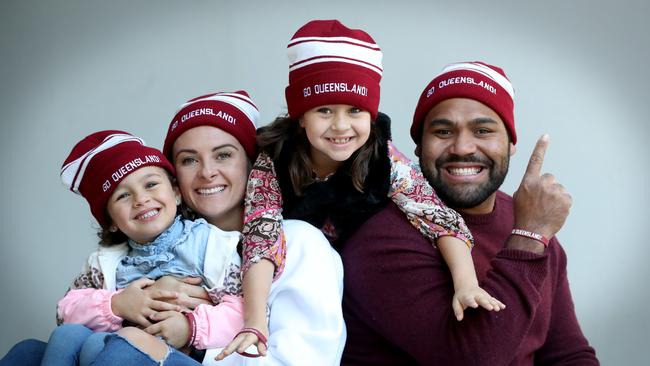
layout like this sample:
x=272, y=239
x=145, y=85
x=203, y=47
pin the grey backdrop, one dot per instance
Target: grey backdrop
x=579, y=69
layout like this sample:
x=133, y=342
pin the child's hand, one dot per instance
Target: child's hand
x=243, y=340
x=473, y=297
x=136, y=305
x=171, y=326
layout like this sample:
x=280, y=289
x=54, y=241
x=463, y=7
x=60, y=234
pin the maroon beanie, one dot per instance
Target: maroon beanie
x=98, y=163
x=330, y=63
x=473, y=80
x=234, y=113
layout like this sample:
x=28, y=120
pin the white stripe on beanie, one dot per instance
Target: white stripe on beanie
x=73, y=172
x=239, y=101
x=309, y=50
x=484, y=70
x=334, y=39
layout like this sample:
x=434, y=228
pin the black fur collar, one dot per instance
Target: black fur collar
x=335, y=200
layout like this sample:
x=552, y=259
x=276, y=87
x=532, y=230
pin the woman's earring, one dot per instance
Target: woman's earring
x=178, y=201
x=112, y=229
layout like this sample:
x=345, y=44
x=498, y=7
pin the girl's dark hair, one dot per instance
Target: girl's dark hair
x=286, y=133
x=108, y=238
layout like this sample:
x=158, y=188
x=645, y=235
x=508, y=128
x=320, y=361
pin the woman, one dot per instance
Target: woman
x=211, y=141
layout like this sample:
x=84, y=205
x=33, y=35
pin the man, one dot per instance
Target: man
x=398, y=289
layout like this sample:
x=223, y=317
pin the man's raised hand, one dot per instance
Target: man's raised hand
x=541, y=203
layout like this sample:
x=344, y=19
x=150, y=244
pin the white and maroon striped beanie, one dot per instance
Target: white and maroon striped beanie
x=98, y=163
x=234, y=113
x=330, y=63
x=485, y=83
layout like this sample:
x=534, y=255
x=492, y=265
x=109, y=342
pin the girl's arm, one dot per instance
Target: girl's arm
x=90, y=307
x=104, y=310
x=88, y=301
x=467, y=293
x=417, y=199
x=262, y=230
x=306, y=319
x=437, y=222
x=208, y=326
x=263, y=250
x=93, y=301
x=216, y=325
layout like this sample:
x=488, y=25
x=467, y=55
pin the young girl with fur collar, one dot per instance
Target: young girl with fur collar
x=331, y=163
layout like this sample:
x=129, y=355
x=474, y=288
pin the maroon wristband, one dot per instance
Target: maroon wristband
x=531, y=235
x=260, y=337
x=192, y=322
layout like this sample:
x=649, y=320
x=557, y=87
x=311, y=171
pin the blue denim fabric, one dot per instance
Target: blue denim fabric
x=25, y=353
x=119, y=351
x=93, y=345
x=72, y=344
x=178, y=251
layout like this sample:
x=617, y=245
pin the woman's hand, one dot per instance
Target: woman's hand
x=190, y=293
x=136, y=303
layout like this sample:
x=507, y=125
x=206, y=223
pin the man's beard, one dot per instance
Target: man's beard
x=470, y=195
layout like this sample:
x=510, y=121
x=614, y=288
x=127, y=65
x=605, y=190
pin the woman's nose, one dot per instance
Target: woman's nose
x=208, y=170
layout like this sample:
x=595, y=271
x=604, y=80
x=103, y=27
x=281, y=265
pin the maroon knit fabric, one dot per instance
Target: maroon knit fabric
x=398, y=291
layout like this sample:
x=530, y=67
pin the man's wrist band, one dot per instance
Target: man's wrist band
x=529, y=234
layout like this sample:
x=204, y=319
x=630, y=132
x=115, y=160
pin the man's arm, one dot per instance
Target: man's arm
x=565, y=344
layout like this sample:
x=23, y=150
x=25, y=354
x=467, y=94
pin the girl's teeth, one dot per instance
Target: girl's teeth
x=464, y=171
x=341, y=141
x=211, y=190
x=148, y=214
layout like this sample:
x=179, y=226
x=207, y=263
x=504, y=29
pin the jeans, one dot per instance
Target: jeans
x=119, y=351
x=73, y=344
x=25, y=353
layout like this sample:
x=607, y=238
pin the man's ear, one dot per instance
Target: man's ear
x=418, y=150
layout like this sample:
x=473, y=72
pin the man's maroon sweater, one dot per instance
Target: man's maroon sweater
x=398, y=291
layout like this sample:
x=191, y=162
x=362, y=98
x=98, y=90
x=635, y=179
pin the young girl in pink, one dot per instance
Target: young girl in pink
x=331, y=163
x=132, y=193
